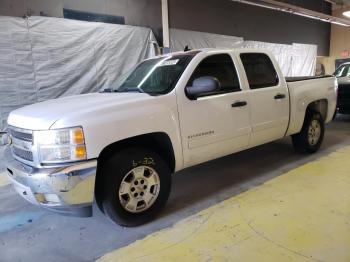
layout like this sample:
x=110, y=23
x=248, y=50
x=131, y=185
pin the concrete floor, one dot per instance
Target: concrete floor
x=28, y=233
x=302, y=215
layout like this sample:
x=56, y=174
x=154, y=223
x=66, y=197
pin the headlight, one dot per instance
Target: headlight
x=61, y=145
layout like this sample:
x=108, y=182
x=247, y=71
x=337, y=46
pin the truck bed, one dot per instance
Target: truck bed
x=303, y=91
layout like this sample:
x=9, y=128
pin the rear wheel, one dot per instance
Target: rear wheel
x=311, y=135
x=136, y=185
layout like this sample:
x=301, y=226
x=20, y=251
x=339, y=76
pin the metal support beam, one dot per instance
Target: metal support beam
x=295, y=10
x=165, y=24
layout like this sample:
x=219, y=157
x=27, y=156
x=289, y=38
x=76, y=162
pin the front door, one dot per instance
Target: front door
x=218, y=123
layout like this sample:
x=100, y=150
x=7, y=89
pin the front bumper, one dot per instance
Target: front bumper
x=68, y=190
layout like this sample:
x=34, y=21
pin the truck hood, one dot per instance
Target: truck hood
x=41, y=116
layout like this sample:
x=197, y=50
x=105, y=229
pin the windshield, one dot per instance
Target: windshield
x=342, y=71
x=154, y=76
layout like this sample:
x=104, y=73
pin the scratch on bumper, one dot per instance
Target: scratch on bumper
x=68, y=190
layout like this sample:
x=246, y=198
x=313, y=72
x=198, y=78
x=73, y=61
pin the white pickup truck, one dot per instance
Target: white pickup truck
x=121, y=146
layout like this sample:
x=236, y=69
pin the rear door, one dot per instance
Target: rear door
x=217, y=124
x=268, y=96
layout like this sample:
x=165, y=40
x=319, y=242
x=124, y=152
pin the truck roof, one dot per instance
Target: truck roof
x=211, y=50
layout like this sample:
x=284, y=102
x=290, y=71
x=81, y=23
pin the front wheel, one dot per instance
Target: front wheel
x=136, y=185
x=311, y=135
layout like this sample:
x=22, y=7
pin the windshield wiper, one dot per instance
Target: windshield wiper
x=107, y=90
x=130, y=89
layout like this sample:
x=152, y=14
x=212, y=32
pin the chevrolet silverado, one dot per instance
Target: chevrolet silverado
x=120, y=147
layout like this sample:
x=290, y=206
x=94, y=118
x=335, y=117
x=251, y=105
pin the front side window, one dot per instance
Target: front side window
x=220, y=67
x=342, y=71
x=154, y=76
x=259, y=70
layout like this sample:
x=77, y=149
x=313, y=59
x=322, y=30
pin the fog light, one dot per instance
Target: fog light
x=51, y=198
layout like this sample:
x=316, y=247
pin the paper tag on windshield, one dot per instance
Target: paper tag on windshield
x=170, y=62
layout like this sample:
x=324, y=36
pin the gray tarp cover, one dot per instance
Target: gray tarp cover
x=294, y=60
x=179, y=39
x=43, y=58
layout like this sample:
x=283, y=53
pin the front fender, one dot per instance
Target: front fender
x=119, y=122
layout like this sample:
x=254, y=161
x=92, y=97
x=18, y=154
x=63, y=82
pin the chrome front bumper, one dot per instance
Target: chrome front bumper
x=68, y=190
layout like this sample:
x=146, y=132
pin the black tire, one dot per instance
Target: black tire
x=114, y=170
x=301, y=142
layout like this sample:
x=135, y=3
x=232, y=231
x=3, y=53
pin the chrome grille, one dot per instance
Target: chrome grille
x=22, y=143
x=21, y=135
x=24, y=154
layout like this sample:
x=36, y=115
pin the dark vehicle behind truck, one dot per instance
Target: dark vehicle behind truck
x=343, y=75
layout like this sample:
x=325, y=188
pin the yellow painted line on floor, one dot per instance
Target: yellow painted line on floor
x=303, y=215
x=3, y=179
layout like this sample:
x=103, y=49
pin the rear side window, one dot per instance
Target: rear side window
x=222, y=68
x=259, y=70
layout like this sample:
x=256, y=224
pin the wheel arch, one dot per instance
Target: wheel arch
x=320, y=106
x=300, y=110
x=301, y=142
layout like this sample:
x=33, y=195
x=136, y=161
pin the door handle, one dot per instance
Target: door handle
x=239, y=104
x=280, y=96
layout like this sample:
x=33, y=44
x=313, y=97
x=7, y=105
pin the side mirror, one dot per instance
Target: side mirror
x=202, y=86
x=4, y=139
